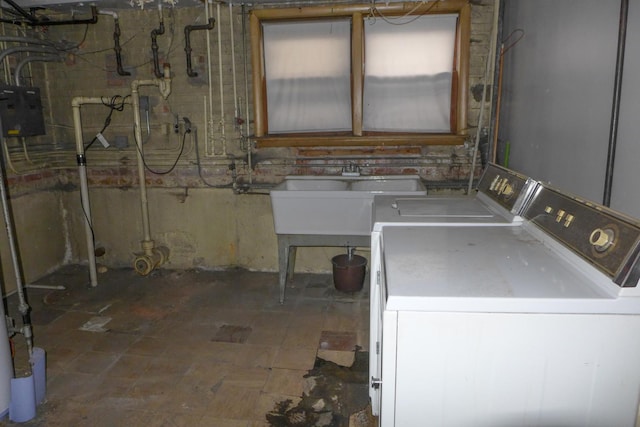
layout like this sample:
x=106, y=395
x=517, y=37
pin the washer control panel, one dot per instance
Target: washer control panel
x=508, y=188
x=607, y=239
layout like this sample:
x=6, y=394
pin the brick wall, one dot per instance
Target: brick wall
x=222, y=228
x=89, y=71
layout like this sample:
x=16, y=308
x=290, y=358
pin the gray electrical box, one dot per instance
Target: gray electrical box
x=21, y=111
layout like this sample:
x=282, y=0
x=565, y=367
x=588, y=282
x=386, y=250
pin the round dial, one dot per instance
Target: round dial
x=602, y=239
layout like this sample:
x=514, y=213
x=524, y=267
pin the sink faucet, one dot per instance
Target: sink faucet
x=351, y=170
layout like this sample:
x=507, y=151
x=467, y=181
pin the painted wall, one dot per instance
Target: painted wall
x=203, y=227
x=557, y=91
x=44, y=240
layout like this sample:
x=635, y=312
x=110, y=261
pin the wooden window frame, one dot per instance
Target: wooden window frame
x=460, y=85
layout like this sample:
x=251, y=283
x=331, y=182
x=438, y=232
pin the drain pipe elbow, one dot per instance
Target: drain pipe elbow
x=152, y=258
x=164, y=85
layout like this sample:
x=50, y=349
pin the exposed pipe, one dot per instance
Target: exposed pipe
x=21, y=64
x=494, y=144
x=209, y=117
x=233, y=66
x=187, y=42
x=31, y=49
x=246, y=95
x=481, y=115
x=154, y=43
x=116, y=41
x=152, y=256
x=76, y=103
x=28, y=40
x=47, y=23
x=21, y=11
x=615, y=110
x=220, y=75
x=23, y=306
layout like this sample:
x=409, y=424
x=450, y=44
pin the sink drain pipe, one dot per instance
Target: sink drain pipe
x=23, y=306
x=151, y=256
x=81, y=159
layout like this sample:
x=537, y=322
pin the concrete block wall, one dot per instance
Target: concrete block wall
x=204, y=227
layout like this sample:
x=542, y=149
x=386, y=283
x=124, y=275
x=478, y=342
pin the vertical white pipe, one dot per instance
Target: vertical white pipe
x=222, y=136
x=164, y=86
x=246, y=95
x=144, y=204
x=233, y=66
x=209, y=118
x=482, y=108
x=84, y=189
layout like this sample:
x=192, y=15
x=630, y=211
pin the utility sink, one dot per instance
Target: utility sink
x=340, y=205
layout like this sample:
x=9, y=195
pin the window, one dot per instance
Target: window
x=308, y=75
x=353, y=75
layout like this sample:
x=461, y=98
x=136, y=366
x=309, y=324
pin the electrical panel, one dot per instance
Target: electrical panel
x=21, y=111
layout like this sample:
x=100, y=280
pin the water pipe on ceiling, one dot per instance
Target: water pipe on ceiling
x=151, y=256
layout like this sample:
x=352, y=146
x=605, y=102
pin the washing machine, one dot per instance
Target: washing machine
x=530, y=324
x=501, y=196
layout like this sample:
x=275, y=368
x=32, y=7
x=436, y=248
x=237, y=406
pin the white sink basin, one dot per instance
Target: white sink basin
x=334, y=205
x=387, y=185
x=313, y=185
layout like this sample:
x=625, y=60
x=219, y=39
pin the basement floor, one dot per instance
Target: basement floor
x=198, y=348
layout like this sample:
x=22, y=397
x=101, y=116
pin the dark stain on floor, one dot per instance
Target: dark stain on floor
x=337, y=394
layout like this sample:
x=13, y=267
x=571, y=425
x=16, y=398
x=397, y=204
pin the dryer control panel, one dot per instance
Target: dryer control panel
x=605, y=238
x=508, y=188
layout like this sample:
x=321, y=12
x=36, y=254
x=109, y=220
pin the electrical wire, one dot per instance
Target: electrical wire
x=114, y=105
x=86, y=217
x=184, y=137
x=519, y=32
x=204, y=181
x=390, y=20
x=84, y=38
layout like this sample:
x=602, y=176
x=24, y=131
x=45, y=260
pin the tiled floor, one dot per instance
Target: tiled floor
x=186, y=348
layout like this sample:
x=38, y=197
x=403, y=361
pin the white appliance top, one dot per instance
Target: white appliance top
x=491, y=269
x=439, y=210
x=502, y=195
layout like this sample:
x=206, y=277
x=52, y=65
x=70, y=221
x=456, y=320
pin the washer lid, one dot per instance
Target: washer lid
x=443, y=207
x=439, y=210
x=490, y=269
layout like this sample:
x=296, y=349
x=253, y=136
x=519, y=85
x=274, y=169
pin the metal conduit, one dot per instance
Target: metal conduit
x=31, y=49
x=21, y=64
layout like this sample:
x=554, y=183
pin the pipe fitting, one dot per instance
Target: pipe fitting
x=145, y=263
x=164, y=85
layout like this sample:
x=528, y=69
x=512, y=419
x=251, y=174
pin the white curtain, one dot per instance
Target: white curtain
x=408, y=73
x=308, y=75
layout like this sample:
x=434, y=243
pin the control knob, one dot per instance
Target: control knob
x=601, y=239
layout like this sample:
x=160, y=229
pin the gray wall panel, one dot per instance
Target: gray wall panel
x=557, y=90
x=625, y=194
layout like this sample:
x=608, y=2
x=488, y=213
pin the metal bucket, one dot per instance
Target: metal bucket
x=348, y=272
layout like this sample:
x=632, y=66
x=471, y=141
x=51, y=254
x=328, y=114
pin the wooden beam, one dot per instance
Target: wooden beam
x=447, y=6
x=357, y=72
x=378, y=140
x=257, y=64
x=463, y=70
